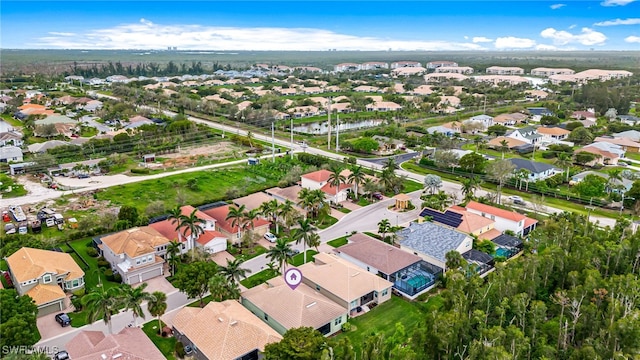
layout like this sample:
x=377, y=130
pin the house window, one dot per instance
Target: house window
x=46, y=279
x=385, y=292
x=338, y=321
x=266, y=317
x=137, y=261
x=317, y=287
x=150, y=258
x=493, y=217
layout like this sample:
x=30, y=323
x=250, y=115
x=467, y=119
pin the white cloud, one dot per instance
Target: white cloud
x=629, y=21
x=55, y=33
x=148, y=35
x=557, y=6
x=632, y=39
x=616, y=2
x=480, y=39
x=572, y=26
x=587, y=37
x=511, y=42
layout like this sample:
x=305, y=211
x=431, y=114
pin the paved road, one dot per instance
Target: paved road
x=398, y=158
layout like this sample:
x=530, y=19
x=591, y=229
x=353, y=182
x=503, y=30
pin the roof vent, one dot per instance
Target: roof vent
x=356, y=274
x=117, y=355
x=103, y=356
x=312, y=304
x=233, y=323
x=221, y=319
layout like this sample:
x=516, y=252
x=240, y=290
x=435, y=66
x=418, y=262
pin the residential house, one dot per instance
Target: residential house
x=388, y=145
x=512, y=143
x=303, y=111
x=366, y=88
x=460, y=219
x=537, y=170
x=320, y=180
x=222, y=331
x=408, y=71
x=10, y=154
x=501, y=79
x=504, y=219
x=584, y=115
x=44, y=276
x=588, y=75
x=43, y=147
x=11, y=138
x=510, y=119
x=633, y=135
x=483, y=120
x=455, y=69
x=92, y=105
x=606, y=153
x=136, y=254
x=442, y=130
x=615, y=185
x=344, y=283
x=629, y=119
x=422, y=90
x=535, y=95
x=442, y=63
x=383, y=106
x=432, y=241
x=131, y=343
x=283, y=308
x=537, y=113
x=211, y=240
x=374, y=65
x=627, y=145
x=507, y=246
x=527, y=134
x=502, y=70
x=409, y=274
x=346, y=67
x=253, y=201
x=234, y=233
x=403, y=64
x=546, y=72
x=436, y=77
x=553, y=135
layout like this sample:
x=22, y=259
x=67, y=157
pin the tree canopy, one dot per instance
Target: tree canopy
x=17, y=319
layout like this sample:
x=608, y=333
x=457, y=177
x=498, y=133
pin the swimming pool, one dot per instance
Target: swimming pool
x=502, y=252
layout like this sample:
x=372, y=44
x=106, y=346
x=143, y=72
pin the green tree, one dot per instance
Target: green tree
x=383, y=228
x=469, y=186
x=222, y=289
x=497, y=130
x=192, y=229
x=132, y=298
x=237, y=215
x=288, y=213
x=454, y=260
x=336, y=180
x=193, y=278
x=445, y=159
x=563, y=160
x=280, y=253
x=357, y=178
x=305, y=234
x=173, y=255
x=17, y=319
x=500, y=171
x=365, y=145
x=580, y=136
x=473, y=163
x=157, y=306
x=271, y=210
x=234, y=270
x=591, y=186
x=129, y=214
x=584, y=157
x=102, y=304
x=549, y=120
x=304, y=343
x=432, y=183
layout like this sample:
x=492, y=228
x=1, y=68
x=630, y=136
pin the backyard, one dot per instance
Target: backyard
x=166, y=345
x=259, y=278
x=382, y=319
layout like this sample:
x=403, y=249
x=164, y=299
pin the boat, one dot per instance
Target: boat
x=17, y=213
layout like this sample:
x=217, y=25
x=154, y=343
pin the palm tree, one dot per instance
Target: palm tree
x=218, y=287
x=615, y=179
x=311, y=201
x=504, y=147
x=193, y=225
x=335, y=180
x=388, y=180
x=304, y=234
x=288, y=214
x=270, y=210
x=102, y=304
x=469, y=186
x=477, y=140
x=280, y=253
x=390, y=165
x=563, y=161
x=157, y=306
x=173, y=250
x=383, y=227
x=369, y=186
x=250, y=217
x=237, y=217
x=356, y=178
x=132, y=299
x=175, y=217
x=233, y=272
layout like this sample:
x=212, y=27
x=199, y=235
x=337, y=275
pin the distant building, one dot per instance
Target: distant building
x=437, y=64
x=505, y=70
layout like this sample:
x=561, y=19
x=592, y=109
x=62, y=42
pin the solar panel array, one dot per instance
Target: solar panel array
x=449, y=218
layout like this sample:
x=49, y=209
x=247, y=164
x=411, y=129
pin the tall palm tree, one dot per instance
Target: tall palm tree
x=383, y=227
x=270, y=210
x=369, y=186
x=280, y=253
x=102, y=304
x=477, y=140
x=336, y=179
x=157, y=306
x=563, y=160
x=390, y=165
x=132, y=299
x=469, y=186
x=504, y=147
x=233, y=272
x=356, y=178
x=175, y=217
x=388, y=180
x=193, y=225
x=237, y=217
x=615, y=179
x=288, y=214
x=221, y=288
x=250, y=217
x=173, y=250
x=304, y=234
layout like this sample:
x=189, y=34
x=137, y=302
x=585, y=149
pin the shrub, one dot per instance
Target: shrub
x=425, y=161
x=79, y=293
x=109, y=274
x=77, y=303
x=180, y=350
x=91, y=251
x=117, y=278
x=346, y=327
x=143, y=171
x=102, y=263
x=548, y=154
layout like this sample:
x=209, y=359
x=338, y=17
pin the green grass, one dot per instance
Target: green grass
x=88, y=131
x=298, y=259
x=326, y=222
x=382, y=319
x=247, y=253
x=13, y=122
x=213, y=186
x=411, y=186
x=205, y=300
x=338, y=242
x=259, y=278
x=344, y=210
x=166, y=345
x=16, y=189
x=363, y=201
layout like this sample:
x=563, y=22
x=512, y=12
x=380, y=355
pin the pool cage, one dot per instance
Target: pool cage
x=415, y=278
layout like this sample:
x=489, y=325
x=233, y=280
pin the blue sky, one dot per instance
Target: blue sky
x=320, y=25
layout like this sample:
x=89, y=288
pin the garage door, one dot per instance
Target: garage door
x=216, y=247
x=144, y=276
x=52, y=308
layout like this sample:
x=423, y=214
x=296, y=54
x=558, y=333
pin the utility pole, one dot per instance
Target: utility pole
x=329, y=124
x=273, y=143
x=291, y=128
x=337, y=132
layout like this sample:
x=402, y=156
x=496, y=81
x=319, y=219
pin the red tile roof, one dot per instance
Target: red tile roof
x=331, y=190
x=318, y=176
x=529, y=221
x=208, y=236
x=167, y=229
x=220, y=215
x=188, y=209
x=505, y=214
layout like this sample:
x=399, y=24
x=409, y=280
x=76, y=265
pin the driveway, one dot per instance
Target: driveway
x=398, y=158
x=159, y=283
x=49, y=327
x=221, y=258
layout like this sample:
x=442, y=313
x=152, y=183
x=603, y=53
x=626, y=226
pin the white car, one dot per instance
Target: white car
x=516, y=199
x=270, y=237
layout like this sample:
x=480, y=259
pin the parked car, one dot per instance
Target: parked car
x=83, y=176
x=61, y=355
x=517, y=200
x=377, y=195
x=270, y=237
x=294, y=252
x=63, y=319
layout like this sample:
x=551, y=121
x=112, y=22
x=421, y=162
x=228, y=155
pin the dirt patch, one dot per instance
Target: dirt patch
x=210, y=151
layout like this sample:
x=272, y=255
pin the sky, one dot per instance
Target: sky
x=321, y=25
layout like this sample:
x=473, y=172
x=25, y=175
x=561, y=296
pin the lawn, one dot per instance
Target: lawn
x=246, y=253
x=326, y=222
x=338, y=242
x=258, y=278
x=363, y=201
x=11, y=120
x=344, y=210
x=88, y=131
x=166, y=345
x=298, y=259
x=16, y=189
x=382, y=319
x=211, y=185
